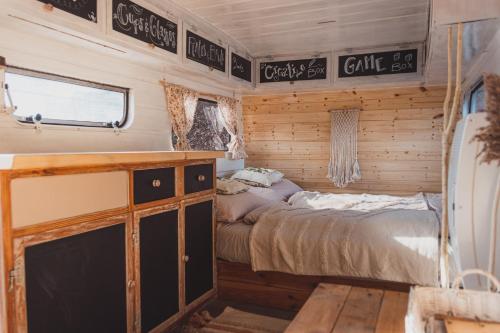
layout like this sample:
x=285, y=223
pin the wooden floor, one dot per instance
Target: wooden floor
x=237, y=282
x=346, y=309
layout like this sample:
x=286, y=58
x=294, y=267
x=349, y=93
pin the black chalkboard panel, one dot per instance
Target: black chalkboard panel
x=293, y=70
x=205, y=52
x=198, y=243
x=144, y=25
x=378, y=63
x=86, y=9
x=159, y=268
x=241, y=67
x=78, y=283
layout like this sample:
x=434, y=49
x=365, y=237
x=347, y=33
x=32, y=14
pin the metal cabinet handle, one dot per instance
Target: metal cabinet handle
x=156, y=183
x=186, y=258
x=201, y=178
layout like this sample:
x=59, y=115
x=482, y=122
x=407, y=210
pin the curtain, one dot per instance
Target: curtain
x=230, y=110
x=215, y=122
x=181, y=106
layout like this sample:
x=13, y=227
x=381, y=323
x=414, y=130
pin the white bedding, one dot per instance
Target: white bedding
x=378, y=237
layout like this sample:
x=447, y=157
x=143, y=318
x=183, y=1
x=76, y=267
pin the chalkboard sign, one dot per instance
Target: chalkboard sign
x=241, y=67
x=86, y=9
x=205, y=52
x=144, y=25
x=378, y=63
x=293, y=70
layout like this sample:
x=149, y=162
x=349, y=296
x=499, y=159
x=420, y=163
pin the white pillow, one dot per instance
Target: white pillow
x=258, y=176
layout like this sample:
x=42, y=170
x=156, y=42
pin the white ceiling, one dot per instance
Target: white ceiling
x=281, y=27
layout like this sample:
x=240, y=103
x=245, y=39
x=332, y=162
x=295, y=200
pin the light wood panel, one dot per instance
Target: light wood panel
x=293, y=26
x=398, y=137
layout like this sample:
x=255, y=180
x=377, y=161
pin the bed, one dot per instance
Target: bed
x=367, y=240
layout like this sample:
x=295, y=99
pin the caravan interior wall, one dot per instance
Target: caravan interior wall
x=56, y=43
x=399, y=136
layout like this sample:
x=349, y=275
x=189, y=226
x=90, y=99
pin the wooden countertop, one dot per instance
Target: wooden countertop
x=74, y=160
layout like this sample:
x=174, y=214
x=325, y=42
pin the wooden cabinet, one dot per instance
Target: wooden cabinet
x=138, y=266
x=199, y=277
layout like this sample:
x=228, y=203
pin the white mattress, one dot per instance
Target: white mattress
x=233, y=242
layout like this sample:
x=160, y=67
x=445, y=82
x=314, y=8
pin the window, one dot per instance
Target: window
x=59, y=100
x=208, y=132
x=475, y=101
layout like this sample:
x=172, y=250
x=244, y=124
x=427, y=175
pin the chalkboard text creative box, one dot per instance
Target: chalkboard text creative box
x=293, y=70
x=144, y=25
x=86, y=9
x=241, y=67
x=378, y=63
x=205, y=52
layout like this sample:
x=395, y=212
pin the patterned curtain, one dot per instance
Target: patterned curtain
x=181, y=105
x=231, y=117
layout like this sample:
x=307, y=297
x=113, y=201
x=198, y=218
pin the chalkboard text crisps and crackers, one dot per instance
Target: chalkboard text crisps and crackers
x=144, y=25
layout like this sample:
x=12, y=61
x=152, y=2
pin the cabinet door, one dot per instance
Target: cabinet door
x=159, y=268
x=78, y=283
x=199, y=254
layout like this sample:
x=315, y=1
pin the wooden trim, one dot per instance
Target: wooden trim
x=182, y=253
x=131, y=274
x=6, y=212
x=66, y=222
x=20, y=245
x=237, y=282
x=38, y=162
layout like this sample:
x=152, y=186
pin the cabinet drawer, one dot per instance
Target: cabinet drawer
x=154, y=184
x=198, y=178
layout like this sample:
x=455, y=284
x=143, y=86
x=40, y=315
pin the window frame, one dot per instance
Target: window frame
x=74, y=81
x=467, y=109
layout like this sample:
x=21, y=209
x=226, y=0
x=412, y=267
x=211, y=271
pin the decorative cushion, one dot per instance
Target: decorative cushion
x=231, y=208
x=258, y=176
x=230, y=186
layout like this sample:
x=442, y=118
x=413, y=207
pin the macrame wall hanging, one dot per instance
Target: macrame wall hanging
x=343, y=167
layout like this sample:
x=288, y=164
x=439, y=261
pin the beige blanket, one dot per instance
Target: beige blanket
x=387, y=244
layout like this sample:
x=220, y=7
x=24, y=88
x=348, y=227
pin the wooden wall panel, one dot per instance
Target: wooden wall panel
x=399, y=137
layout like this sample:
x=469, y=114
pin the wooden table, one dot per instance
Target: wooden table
x=333, y=308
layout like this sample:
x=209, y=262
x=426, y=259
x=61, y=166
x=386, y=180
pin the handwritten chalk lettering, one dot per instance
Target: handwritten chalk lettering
x=142, y=24
x=293, y=70
x=86, y=9
x=379, y=63
x=241, y=67
x=205, y=52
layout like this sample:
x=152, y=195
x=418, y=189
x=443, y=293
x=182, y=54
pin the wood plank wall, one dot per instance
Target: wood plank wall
x=399, y=137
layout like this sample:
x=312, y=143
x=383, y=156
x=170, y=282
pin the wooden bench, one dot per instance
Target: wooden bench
x=345, y=309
